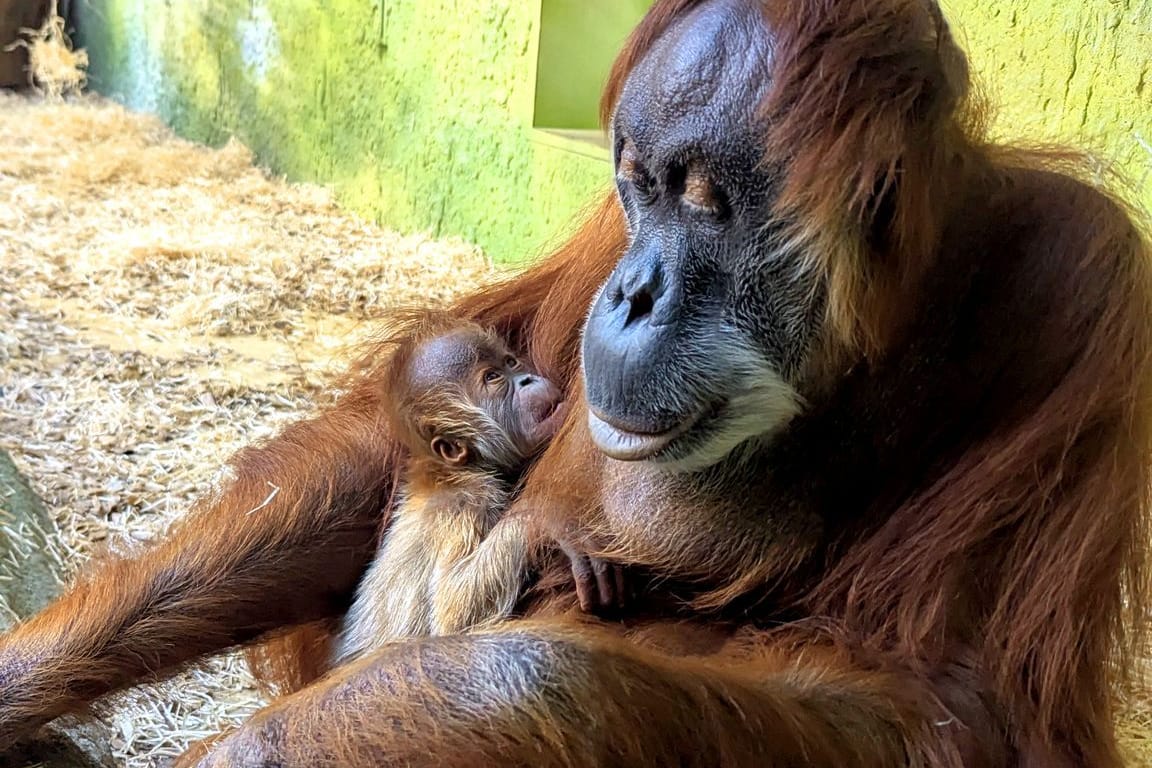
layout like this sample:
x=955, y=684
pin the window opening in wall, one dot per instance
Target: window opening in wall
x=578, y=41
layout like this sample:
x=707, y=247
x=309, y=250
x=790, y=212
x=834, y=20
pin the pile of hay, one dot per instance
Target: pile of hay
x=163, y=304
x=55, y=68
x=1134, y=725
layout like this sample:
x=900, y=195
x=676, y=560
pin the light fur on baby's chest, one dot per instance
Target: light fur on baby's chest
x=431, y=531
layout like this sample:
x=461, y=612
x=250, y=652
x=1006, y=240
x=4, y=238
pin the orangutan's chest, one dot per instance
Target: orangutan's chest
x=682, y=526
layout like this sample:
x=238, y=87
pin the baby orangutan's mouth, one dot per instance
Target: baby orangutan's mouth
x=549, y=418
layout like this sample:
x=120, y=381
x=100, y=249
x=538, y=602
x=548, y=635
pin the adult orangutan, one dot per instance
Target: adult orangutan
x=868, y=400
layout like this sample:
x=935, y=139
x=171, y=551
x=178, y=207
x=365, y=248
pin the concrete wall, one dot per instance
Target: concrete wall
x=420, y=112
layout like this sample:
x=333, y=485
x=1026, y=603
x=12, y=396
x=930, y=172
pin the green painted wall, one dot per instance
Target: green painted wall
x=420, y=112
x=1068, y=71
x=568, y=81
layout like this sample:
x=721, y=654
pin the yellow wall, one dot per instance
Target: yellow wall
x=1068, y=70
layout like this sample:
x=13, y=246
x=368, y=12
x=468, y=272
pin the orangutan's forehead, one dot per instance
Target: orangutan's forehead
x=714, y=61
x=451, y=357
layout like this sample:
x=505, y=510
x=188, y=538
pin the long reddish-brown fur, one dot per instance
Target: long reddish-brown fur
x=1051, y=511
x=985, y=615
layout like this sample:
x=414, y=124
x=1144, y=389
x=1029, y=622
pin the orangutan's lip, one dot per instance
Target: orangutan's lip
x=546, y=413
x=626, y=445
x=549, y=421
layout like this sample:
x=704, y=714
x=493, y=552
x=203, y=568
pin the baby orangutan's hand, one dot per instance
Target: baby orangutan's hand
x=601, y=585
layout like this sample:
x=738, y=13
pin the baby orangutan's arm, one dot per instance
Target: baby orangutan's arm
x=483, y=587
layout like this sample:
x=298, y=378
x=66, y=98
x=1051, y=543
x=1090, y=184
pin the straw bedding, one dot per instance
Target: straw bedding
x=163, y=304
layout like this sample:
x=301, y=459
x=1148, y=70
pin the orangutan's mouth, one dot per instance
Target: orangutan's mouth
x=628, y=445
x=548, y=420
x=548, y=412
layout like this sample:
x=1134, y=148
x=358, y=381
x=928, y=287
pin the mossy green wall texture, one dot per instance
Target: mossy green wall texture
x=419, y=112
x=1076, y=71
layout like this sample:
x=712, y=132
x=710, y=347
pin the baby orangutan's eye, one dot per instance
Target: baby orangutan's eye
x=491, y=376
x=511, y=362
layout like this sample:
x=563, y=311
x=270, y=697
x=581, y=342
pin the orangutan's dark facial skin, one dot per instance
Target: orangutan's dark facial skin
x=697, y=339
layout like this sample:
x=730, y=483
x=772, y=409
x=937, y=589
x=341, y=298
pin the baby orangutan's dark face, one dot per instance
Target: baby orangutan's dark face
x=510, y=411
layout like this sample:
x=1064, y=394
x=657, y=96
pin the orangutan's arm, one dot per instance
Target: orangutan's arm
x=541, y=697
x=284, y=543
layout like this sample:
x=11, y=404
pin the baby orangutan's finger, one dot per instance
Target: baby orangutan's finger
x=586, y=581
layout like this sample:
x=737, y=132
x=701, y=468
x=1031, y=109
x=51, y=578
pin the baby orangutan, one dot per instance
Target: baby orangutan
x=470, y=415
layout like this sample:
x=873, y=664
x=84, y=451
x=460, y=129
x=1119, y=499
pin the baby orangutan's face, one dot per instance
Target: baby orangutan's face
x=524, y=406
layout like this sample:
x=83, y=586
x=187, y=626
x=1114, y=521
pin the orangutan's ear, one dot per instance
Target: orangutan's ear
x=452, y=452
